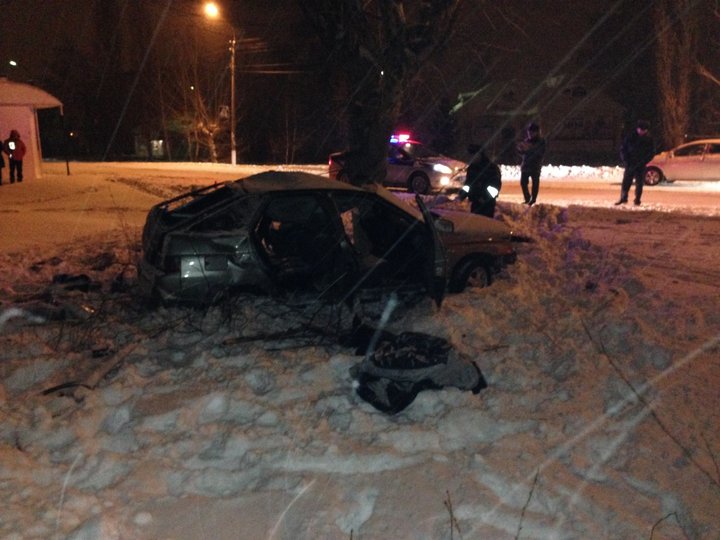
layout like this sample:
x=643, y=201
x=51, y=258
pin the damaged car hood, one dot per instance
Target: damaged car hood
x=468, y=227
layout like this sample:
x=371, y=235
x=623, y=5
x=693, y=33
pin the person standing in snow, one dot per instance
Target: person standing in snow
x=637, y=149
x=531, y=150
x=15, y=148
x=482, y=183
x=2, y=161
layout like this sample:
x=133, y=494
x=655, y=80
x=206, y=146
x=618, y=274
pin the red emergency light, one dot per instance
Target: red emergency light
x=399, y=137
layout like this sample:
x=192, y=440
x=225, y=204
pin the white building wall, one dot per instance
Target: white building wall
x=23, y=118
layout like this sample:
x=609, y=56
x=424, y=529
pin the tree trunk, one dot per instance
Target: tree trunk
x=377, y=46
x=371, y=119
x=675, y=62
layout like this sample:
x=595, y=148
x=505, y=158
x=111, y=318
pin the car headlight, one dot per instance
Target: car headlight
x=443, y=169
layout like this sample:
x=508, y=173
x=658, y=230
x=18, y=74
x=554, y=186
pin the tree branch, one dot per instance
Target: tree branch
x=705, y=72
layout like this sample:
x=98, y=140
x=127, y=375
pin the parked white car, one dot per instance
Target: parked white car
x=696, y=160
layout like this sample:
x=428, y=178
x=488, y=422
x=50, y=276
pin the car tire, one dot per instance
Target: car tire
x=474, y=273
x=343, y=177
x=653, y=176
x=419, y=183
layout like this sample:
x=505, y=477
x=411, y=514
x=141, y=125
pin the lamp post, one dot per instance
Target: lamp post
x=233, y=147
x=213, y=12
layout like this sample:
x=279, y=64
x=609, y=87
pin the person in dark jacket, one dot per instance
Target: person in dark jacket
x=637, y=149
x=531, y=150
x=2, y=161
x=482, y=183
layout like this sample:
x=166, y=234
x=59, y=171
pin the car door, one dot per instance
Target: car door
x=437, y=263
x=394, y=248
x=399, y=166
x=711, y=162
x=686, y=162
x=298, y=239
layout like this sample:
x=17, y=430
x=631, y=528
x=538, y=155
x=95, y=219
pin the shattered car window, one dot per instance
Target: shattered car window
x=297, y=236
x=228, y=219
x=382, y=231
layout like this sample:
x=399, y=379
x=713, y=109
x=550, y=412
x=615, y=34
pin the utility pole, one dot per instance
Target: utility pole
x=233, y=147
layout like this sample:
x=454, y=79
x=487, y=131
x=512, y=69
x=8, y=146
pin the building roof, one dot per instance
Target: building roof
x=516, y=97
x=14, y=93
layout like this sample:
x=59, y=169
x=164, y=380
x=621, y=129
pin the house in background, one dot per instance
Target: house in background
x=19, y=104
x=580, y=125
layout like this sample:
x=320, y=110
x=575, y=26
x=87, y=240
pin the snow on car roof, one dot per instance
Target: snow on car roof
x=288, y=180
x=298, y=181
x=699, y=141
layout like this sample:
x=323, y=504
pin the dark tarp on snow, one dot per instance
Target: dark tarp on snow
x=397, y=367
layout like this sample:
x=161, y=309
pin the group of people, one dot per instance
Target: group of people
x=483, y=179
x=14, y=148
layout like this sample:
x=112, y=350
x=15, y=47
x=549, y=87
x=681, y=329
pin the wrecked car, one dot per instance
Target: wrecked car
x=286, y=233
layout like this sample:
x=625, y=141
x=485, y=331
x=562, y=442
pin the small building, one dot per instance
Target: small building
x=19, y=104
x=581, y=125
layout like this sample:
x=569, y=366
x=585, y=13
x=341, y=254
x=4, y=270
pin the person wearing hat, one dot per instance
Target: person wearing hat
x=15, y=148
x=531, y=150
x=636, y=151
x=482, y=182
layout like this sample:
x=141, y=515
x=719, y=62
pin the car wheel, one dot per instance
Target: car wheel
x=419, y=183
x=653, y=176
x=343, y=177
x=472, y=274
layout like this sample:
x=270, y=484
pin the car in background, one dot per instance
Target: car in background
x=297, y=235
x=411, y=166
x=696, y=160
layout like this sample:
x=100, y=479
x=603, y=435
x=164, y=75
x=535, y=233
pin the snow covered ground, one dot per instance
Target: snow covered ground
x=600, y=347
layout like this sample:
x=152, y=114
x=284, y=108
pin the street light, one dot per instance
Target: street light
x=213, y=12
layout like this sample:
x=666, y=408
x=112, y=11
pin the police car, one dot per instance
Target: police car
x=412, y=166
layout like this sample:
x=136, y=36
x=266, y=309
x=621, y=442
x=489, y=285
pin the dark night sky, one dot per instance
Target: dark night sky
x=523, y=39
x=530, y=37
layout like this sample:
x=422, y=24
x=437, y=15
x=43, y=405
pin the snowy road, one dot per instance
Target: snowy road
x=98, y=197
x=599, y=344
x=691, y=197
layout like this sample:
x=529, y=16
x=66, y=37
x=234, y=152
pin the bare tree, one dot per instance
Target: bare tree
x=192, y=100
x=677, y=23
x=705, y=72
x=708, y=102
x=289, y=138
x=375, y=47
